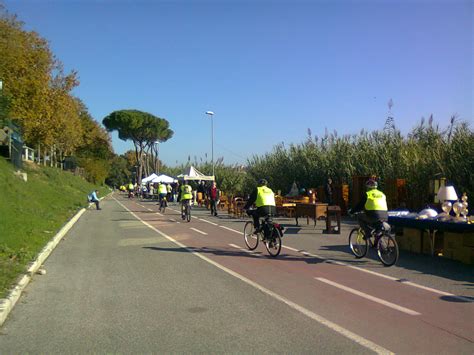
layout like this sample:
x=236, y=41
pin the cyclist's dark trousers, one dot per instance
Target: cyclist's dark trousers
x=369, y=219
x=262, y=211
x=162, y=196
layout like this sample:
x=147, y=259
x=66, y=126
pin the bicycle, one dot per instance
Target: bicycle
x=380, y=238
x=186, y=214
x=163, y=204
x=270, y=233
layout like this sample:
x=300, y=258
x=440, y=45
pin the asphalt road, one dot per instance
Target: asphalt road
x=128, y=279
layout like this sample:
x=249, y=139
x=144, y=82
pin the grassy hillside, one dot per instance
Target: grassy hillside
x=32, y=212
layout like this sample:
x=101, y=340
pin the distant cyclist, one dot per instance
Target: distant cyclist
x=186, y=195
x=162, y=192
x=264, y=199
x=130, y=190
x=374, y=205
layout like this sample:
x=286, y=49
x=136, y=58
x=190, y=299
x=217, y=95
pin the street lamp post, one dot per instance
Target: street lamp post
x=210, y=113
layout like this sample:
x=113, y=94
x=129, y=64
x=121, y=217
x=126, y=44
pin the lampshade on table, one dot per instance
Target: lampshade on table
x=447, y=193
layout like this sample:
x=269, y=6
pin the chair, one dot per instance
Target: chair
x=223, y=203
x=230, y=207
x=239, y=204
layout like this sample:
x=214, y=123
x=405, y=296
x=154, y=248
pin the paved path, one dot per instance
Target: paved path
x=128, y=279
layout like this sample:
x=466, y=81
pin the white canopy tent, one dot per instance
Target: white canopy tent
x=149, y=178
x=294, y=191
x=164, y=179
x=192, y=173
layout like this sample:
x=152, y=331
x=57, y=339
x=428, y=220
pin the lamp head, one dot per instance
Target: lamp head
x=210, y=113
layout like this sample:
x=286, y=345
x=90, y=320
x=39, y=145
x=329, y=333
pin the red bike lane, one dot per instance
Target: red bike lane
x=394, y=315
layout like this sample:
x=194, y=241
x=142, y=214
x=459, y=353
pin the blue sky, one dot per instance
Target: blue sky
x=268, y=69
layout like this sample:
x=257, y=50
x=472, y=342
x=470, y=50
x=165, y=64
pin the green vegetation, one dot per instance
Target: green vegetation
x=425, y=153
x=33, y=212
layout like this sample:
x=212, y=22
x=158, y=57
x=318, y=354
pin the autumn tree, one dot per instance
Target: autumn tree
x=37, y=89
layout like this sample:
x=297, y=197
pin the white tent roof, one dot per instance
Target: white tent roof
x=164, y=178
x=149, y=178
x=294, y=190
x=192, y=173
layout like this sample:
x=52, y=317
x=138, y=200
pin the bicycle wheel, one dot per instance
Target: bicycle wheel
x=273, y=244
x=357, y=243
x=387, y=250
x=188, y=213
x=251, y=239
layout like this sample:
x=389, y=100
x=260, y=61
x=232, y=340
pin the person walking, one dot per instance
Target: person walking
x=329, y=189
x=214, y=195
x=168, y=192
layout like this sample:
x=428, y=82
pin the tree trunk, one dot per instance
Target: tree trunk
x=157, y=157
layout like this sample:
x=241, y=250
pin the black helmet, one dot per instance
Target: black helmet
x=262, y=182
x=371, y=184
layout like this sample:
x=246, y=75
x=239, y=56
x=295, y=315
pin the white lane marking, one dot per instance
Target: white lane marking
x=205, y=220
x=172, y=220
x=333, y=326
x=194, y=217
x=369, y=297
x=197, y=230
x=313, y=255
x=405, y=282
x=290, y=248
x=245, y=250
x=230, y=229
x=159, y=214
x=149, y=209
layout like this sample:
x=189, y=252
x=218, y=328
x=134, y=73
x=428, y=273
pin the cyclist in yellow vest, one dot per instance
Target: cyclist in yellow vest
x=375, y=207
x=186, y=195
x=264, y=199
x=162, y=192
x=130, y=190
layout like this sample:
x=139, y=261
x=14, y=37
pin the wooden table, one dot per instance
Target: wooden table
x=286, y=209
x=432, y=227
x=311, y=210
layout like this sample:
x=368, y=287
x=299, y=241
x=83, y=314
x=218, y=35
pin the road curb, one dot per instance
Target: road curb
x=7, y=304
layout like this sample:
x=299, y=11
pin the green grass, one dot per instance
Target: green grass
x=32, y=212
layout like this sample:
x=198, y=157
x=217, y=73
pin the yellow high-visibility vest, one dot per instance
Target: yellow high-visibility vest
x=265, y=197
x=376, y=201
x=162, y=189
x=186, y=192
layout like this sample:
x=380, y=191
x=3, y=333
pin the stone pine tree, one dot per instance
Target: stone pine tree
x=142, y=128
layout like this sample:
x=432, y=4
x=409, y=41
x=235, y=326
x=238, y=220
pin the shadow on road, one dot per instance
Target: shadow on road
x=221, y=252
